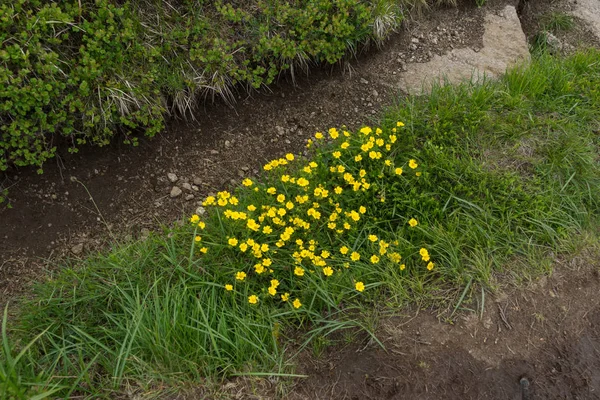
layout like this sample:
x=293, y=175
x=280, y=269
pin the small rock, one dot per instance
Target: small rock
x=144, y=233
x=280, y=130
x=412, y=46
x=175, y=192
x=189, y=197
x=172, y=177
x=197, y=181
x=200, y=210
x=195, y=188
x=245, y=169
x=364, y=81
x=375, y=93
x=77, y=249
x=414, y=40
x=214, y=152
x=186, y=186
x=227, y=144
x=434, y=40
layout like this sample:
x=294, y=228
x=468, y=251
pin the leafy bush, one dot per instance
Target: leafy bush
x=78, y=72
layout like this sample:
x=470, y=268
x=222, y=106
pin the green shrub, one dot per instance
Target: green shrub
x=80, y=72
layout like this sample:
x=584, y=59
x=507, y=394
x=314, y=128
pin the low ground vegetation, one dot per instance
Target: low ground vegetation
x=447, y=193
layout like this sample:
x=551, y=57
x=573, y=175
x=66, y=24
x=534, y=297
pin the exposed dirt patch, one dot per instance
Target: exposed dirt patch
x=548, y=333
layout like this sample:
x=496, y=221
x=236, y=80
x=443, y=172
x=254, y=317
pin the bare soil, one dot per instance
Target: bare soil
x=548, y=332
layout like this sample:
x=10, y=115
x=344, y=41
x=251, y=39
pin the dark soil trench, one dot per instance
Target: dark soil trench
x=548, y=332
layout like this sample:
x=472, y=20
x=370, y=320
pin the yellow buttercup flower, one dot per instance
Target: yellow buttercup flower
x=285, y=297
x=318, y=135
x=355, y=256
x=197, y=238
x=251, y=207
x=345, y=145
x=373, y=238
x=430, y=266
x=229, y=287
x=289, y=157
x=344, y=250
x=194, y=219
x=336, y=154
x=358, y=158
x=271, y=190
x=359, y=286
x=201, y=225
x=299, y=271
x=232, y=242
x=297, y=303
x=253, y=299
x=272, y=291
x=413, y=222
x=402, y=267
x=327, y=271
x=240, y=276
x=362, y=209
x=400, y=124
x=412, y=164
x=366, y=130
x=204, y=250
x=398, y=171
x=333, y=133
x=374, y=259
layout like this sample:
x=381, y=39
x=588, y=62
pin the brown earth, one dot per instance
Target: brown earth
x=547, y=332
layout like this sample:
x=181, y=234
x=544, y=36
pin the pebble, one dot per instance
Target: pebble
x=200, y=210
x=172, y=177
x=186, y=186
x=77, y=249
x=175, y=191
x=189, y=197
x=214, y=152
x=364, y=81
x=197, y=181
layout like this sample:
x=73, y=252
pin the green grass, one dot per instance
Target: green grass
x=507, y=177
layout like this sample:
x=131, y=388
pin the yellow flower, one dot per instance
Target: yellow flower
x=194, y=219
x=362, y=173
x=374, y=259
x=253, y=299
x=272, y=291
x=336, y=154
x=423, y=252
x=373, y=238
x=413, y=222
x=299, y=271
x=240, y=276
x=345, y=145
x=355, y=256
x=358, y=158
x=344, y=250
x=267, y=261
x=210, y=200
x=379, y=142
x=204, y=250
x=412, y=164
x=232, y=242
x=285, y=297
x=197, y=238
x=281, y=198
x=251, y=207
x=267, y=229
x=302, y=182
x=289, y=157
x=229, y=287
x=318, y=135
x=274, y=283
x=362, y=209
x=334, y=133
x=398, y=171
x=201, y=225
x=430, y=266
x=388, y=163
x=327, y=271
x=418, y=173
x=297, y=303
x=338, y=190
x=366, y=130
x=259, y=268
x=331, y=225
x=359, y=286
x=400, y=124
x=271, y=190
x=243, y=247
x=402, y=267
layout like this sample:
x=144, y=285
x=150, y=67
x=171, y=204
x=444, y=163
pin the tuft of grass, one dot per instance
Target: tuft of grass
x=501, y=181
x=557, y=21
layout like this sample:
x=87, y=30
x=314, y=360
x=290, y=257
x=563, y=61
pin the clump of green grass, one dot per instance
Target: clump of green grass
x=450, y=190
x=557, y=21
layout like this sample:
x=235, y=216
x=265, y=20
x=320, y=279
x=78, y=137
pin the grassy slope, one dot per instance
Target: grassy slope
x=508, y=177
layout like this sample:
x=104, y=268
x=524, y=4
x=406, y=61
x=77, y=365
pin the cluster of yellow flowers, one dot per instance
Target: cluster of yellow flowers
x=297, y=224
